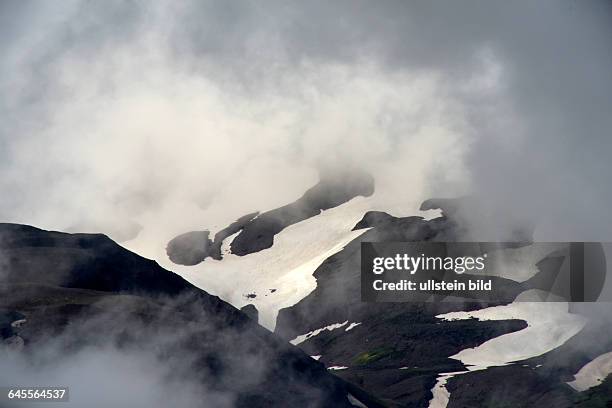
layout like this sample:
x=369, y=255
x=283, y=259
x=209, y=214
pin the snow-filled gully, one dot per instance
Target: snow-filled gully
x=549, y=325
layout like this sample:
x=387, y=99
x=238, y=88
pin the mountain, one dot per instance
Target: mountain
x=67, y=294
x=406, y=352
x=467, y=353
x=296, y=271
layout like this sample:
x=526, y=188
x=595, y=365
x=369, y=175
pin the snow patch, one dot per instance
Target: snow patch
x=316, y=357
x=303, y=337
x=441, y=395
x=335, y=368
x=549, y=325
x=593, y=373
x=352, y=326
x=225, y=245
x=430, y=214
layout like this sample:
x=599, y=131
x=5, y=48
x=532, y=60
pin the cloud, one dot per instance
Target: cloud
x=97, y=377
x=169, y=116
x=112, y=355
x=144, y=352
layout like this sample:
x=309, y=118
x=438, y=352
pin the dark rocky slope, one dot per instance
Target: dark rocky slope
x=391, y=335
x=84, y=291
x=398, y=349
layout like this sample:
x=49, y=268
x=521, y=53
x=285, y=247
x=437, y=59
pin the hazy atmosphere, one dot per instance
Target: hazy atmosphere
x=133, y=116
x=249, y=148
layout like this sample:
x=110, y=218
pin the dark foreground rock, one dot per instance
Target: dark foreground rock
x=81, y=292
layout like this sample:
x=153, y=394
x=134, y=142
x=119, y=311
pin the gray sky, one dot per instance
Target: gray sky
x=114, y=115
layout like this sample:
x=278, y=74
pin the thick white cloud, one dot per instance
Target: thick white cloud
x=122, y=115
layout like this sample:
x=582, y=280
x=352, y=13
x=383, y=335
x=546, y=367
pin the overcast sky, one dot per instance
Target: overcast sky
x=118, y=114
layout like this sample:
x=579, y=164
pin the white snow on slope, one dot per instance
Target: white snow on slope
x=335, y=368
x=593, y=373
x=549, y=325
x=441, y=395
x=303, y=337
x=279, y=276
x=225, y=245
x=352, y=326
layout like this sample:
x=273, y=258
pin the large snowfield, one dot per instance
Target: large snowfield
x=276, y=277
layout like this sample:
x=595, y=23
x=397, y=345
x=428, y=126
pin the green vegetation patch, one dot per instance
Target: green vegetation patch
x=368, y=357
